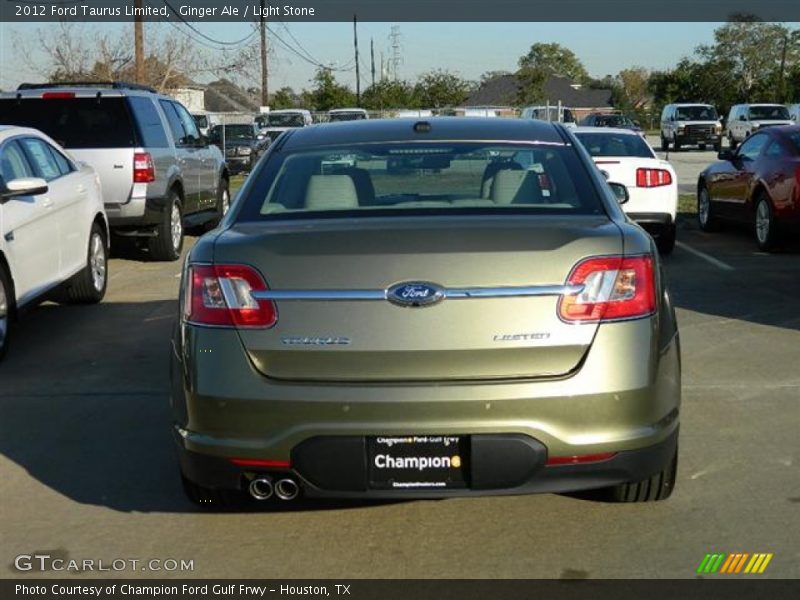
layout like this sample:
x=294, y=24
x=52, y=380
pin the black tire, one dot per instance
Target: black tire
x=655, y=488
x=223, y=202
x=676, y=144
x=161, y=246
x=764, y=226
x=706, y=219
x=718, y=147
x=732, y=143
x=6, y=310
x=666, y=240
x=212, y=499
x=664, y=144
x=89, y=285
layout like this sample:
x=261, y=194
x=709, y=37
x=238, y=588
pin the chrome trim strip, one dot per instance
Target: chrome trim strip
x=449, y=293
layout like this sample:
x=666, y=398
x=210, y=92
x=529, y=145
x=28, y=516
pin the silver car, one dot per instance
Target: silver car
x=159, y=175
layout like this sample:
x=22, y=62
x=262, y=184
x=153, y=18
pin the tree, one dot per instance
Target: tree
x=286, y=97
x=633, y=88
x=531, y=85
x=554, y=59
x=389, y=94
x=748, y=55
x=71, y=51
x=440, y=88
x=327, y=93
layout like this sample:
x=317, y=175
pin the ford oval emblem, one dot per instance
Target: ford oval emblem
x=415, y=294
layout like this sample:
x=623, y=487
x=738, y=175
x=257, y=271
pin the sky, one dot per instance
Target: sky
x=468, y=49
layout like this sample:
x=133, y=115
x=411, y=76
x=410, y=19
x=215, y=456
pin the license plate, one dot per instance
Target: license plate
x=417, y=462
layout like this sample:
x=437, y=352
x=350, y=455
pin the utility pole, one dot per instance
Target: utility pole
x=138, y=42
x=781, y=81
x=264, y=66
x=372, y=58
x=396, y=58
x=358, y=73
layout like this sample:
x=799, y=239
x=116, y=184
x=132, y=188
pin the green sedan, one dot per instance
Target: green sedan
x=425, y=309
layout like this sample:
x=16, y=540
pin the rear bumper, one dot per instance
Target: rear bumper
x=137, y=213
x=493, y=470
x=653, y=223
x=224, y=408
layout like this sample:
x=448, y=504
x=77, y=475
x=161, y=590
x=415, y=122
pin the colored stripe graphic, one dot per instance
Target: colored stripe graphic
x=734, y=564
x=711, y=563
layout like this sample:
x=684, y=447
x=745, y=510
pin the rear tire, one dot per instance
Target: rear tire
x=89, y=285
x=664, y=144
x=168, y=241
x=676, y=144
x=223, y=203
x=718, y=147
x=6, y=310
x=732, y=142
x=666, y=240
x=655, y=488
x=210, y=498
x=706, y=217
x=766, y=229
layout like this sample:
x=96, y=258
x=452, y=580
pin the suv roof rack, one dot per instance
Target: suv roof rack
x=115, y=85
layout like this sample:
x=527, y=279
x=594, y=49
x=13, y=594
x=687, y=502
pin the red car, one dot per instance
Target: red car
x=758, y=184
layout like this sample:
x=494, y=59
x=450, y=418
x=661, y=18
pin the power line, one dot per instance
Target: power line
x=240, y=42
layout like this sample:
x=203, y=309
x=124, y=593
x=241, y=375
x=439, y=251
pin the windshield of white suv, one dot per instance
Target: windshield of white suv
x=285, y=120
x=346, y=116
x=696, y=113
x=779, y=113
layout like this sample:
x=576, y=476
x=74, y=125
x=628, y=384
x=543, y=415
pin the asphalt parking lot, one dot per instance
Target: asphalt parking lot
x=87, y=468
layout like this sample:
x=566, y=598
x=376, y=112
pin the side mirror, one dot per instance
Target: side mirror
x=620, y=191
x=743, y=117
x=23, y=186
x=672, y=118
x=725, y=155
x=605, y=174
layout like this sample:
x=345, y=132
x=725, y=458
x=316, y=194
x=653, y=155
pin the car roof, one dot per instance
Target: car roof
x=441, y=129
x=692, y=104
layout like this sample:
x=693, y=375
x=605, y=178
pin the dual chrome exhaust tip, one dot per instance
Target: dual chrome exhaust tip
x=262, y=488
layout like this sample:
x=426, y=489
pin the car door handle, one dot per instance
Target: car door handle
x=47, y=203
x=81, y=189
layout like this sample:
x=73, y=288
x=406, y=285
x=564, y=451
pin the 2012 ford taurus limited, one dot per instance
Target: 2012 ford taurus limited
x=400, y=309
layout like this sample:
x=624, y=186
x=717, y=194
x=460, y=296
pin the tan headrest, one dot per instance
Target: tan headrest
x=516, y=187
x=331, y=192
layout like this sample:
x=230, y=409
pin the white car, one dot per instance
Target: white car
x=53, y=229
x=745, y=119
x=624, y=157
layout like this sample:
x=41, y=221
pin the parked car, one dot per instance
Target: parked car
x=794, y=113
x=757, y=184
x=745, y=119
x=205, y=121
x=688, y=124
x=158, y=174
x=413, y=113
x=499, y=328
x=277, y=121
x=652, y=185
x=53, y=230
x=550, y=113
x=243, y=143
x=347, y=114
x=616, y=120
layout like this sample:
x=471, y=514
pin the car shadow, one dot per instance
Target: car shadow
x=84, y=408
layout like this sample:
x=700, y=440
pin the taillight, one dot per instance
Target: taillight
x=614, y=288
x=58, y=95
x=143, y=169
x=221, y=295
x=653, y=177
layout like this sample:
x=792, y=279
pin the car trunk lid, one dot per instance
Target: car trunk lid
x=353, y=333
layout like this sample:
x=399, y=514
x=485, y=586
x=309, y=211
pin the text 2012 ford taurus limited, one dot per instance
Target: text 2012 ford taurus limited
x=426, y=319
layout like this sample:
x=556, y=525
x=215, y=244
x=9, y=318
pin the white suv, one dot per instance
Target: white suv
x=744, y=119
x=53, y=230
x=690, y=125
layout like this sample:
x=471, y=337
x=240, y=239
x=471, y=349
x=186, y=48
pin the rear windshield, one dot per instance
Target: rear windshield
x=74, y=122
x=612, y=121
x=696, y=113
x=613, y=144
x=794, y=138
x=407, y=178
x=769, y=112
x=286, y=120
x=346, y=116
